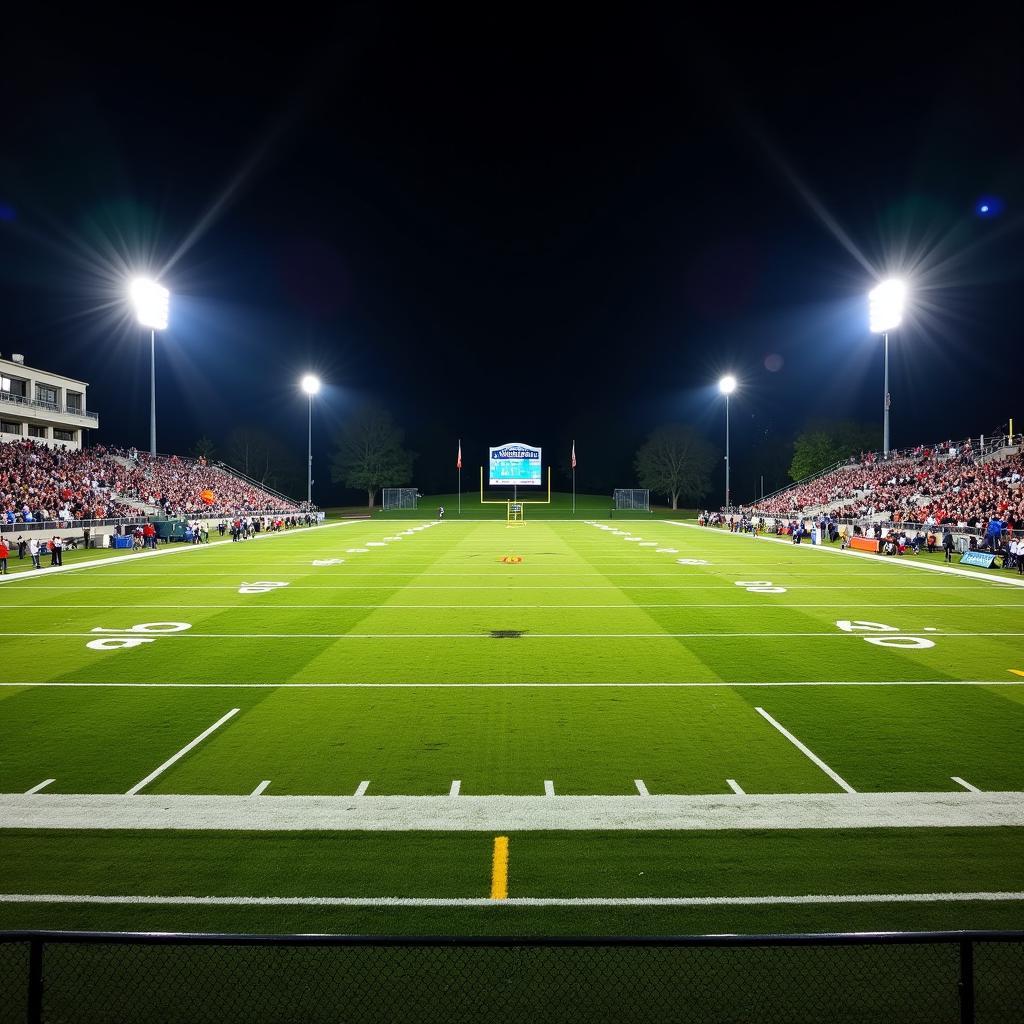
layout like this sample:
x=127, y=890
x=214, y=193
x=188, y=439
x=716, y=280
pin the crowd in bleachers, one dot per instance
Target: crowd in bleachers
x=43, y=484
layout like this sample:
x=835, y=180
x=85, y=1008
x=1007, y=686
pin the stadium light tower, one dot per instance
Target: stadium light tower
x=727, y=385
x=311, y=385
x=885, y=313
x=152, y=305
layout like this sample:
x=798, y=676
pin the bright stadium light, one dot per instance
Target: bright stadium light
x=885, y=314
x=152, y=303
x=311, y=385
x=727, y=385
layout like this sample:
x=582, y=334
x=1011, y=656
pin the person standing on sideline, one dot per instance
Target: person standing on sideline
x=440, y=512
x=22, y=547
x=4, y=552
x=58, y=552
x=33, y=551
x=947, y=543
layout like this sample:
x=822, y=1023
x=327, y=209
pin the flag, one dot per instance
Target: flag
x=458, y=460
x=574, y=455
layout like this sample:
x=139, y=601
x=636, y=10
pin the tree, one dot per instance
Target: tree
x=824, y=443
x=260, y=455
x=677, y=462
x=204, y=448
x=369, y=454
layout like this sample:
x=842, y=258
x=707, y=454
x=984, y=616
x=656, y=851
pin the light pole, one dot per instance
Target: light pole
x=885, y=312
x=311, y=385
x=152, y=305
x=727, y=385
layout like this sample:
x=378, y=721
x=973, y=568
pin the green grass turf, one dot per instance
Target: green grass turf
x=593, y=608
x=536, y=506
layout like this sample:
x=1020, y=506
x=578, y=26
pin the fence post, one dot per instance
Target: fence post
x=34, y=1010
x=966, y=985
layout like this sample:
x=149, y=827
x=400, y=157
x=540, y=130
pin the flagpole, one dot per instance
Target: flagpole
x=574, y=477
x=460, y=477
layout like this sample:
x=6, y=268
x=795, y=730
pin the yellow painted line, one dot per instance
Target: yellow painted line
x=499, y=869
x=1017, y=671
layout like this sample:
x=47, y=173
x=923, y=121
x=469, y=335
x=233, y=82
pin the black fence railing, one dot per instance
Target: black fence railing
x=917, y=977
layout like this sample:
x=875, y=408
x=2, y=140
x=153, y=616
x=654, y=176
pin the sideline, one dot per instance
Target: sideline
x=518, y=813
x=50, y=570
x=1005, y=581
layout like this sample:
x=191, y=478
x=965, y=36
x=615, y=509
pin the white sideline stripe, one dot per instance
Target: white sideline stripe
x=709, y=812
x=181, y=753
x=121, y=559
x=261, y=788
x=362, y=788
x=456, y=786
x=42, y=785
x=516, y=901
x=549, y=788
x=837, y=779
x=947, y=570
x=527, y=635
x=517, y=686
x=966, y=785
x=251, y=610
x=735, y=787
x=640, y=787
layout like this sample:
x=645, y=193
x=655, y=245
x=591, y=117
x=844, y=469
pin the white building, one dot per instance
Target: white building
x=43, y=406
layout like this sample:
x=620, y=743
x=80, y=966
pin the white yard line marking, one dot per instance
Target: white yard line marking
x=719, y=635
x=456, y=786
x=514, y=686
x=362, y=788
x=181, y=753
x=735, y=787
x=261, y=788
x=549, y=788
x=807, y=752
x=966, y=785
x=640, y=787
x=42, y=785
x=624, y=606
x=516, y=901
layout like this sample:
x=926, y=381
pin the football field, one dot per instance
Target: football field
x=634, y=726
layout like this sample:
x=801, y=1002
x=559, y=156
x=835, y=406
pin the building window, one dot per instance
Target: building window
x=34, y=431
x=64, y=435
x=10, y=427
x=46, y=394
x=10, y=386
x=74, y=400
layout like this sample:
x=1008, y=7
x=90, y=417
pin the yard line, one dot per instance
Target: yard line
x=456, y=786
x=42, y=785
x=838, y=780
x=735, y=787
x=524, y=685
x=815, y=899
x=181, y=753
x=966, y=785
x=640, y=787
x=499, y=869
x=549, y=788
x=261, y=788
x=362, y=787
x=526, y=635
x=251, y=610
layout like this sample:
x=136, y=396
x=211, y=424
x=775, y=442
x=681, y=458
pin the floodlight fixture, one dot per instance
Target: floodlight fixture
x=152, y=303
x=727, y=385
x=310, y=384
x=885, y=305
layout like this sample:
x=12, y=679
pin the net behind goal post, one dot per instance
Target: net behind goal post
x=632, y=498
x=399, y=497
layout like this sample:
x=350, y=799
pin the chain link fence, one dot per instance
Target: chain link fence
x=922, y=978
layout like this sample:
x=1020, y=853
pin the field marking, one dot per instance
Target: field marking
x=735, y=787
x=499, y=869
x=549, y=787
x=807, y=752
x=966, y=785
x=624, y=606
x=1017, y=672
x=261, y=788
x=181, y=753
x=640, y=787
x=362, y=788
x=114, y=560
x=524, y=584
x=41, y=786
x=515, y=686
x=527, y=635
x=456, y=787
x=945, y=569
x=502, y=814
x=811, y=899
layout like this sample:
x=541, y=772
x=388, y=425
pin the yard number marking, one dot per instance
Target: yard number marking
x=260, y=587
x=907, y=643
x=760, y=587
x=122, y=642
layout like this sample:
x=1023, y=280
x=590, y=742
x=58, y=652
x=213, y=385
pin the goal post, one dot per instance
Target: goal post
x=399, y=498
x=515, y=512
x=632, y=498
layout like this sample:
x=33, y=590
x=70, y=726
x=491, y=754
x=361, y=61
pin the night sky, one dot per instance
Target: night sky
x=517, y=223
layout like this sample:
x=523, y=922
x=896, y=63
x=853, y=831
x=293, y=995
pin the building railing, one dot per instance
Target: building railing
x=47, y=407
x=924, y=977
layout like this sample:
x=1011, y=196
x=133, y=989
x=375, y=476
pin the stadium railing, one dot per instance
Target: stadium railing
x=931, y=977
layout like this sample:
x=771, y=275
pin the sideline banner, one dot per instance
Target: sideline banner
x=980, y=558
x=865, y=544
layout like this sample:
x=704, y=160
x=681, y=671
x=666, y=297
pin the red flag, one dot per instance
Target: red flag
x=574, y=455
x=458, y=461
